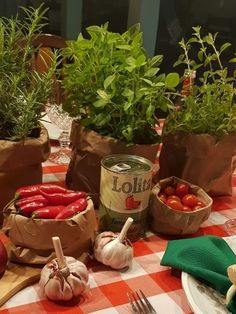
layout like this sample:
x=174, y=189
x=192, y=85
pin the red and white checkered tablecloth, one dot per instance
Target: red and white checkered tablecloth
x=108, y=287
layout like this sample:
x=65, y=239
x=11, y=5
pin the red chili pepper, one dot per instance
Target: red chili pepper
x=29, y=208
x=73, y=208
x=36, y=198
x=48, y=212
x=64, y=199
x=32, y=190
x=53, y=188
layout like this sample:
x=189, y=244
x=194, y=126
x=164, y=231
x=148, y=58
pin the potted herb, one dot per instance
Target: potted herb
x=23, y=140
x=113, y=91
x=199, y=142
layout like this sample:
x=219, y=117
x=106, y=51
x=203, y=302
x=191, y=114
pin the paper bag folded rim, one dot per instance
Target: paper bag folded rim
x=169, y=221
x=31, y=239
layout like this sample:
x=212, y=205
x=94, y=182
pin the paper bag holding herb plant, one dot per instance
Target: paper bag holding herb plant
x=20, y=164
x=89, y=148
x=199, y=139
x=113, y=90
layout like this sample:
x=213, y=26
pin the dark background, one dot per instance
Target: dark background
x=175, y=20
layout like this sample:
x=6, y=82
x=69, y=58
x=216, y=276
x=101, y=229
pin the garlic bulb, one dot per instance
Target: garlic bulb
x=231, y=271
x=63, y=277
x=113, y=249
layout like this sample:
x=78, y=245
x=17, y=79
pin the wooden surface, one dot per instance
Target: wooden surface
x=15, y=278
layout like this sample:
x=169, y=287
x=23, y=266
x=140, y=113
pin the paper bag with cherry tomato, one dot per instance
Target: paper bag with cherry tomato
x=178, y=207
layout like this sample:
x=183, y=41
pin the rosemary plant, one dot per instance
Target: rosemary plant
x=23, y=91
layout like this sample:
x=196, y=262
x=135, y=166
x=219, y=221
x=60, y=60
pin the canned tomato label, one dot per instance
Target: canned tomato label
x=125, y=188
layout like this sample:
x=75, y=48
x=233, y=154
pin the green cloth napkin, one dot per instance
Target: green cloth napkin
x=206, y=258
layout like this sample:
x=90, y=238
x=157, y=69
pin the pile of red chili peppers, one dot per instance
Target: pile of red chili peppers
x=49, y=201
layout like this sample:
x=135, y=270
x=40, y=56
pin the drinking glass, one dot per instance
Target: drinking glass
x=61, y=119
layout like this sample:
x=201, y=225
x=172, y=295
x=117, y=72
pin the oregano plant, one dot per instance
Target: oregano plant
x=211, y=107
x=112, y=87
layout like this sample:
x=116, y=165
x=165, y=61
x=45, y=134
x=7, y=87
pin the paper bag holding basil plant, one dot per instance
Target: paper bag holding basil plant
x=88, y=149
x=166, y=220
x=31, y=238
x=20, y=164
x=201, y=159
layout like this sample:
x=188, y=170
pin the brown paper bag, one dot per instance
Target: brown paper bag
x=20, y=164
x=165, y=220
x=88, y=149
x=31, y=239
x=200, y=159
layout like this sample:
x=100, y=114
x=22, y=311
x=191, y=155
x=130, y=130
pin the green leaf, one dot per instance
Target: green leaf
x=172, y=80
x=101, y=103
x=127, y=105
x=150, y=110
x=224, y=46
x=103, y=94
x=151, y=72
x=128, y=93
x=141, y=60
x=109, y=80
x=200, y=55
x=156, y=60
x=123, y=47
x=149, y=82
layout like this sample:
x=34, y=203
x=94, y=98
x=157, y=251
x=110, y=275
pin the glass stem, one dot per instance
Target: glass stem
x=64, y=140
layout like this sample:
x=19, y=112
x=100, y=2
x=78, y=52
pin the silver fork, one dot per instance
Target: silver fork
x=140, y=303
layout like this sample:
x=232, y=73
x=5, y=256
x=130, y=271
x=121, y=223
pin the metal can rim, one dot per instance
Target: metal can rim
x=129, y=156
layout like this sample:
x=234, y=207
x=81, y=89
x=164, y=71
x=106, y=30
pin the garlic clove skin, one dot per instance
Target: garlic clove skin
x=117, y=255
x=64, y=284
x=111, y=252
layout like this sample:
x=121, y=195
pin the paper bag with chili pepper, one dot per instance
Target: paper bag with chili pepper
x=31, y=238
x=201, y=159
x=88, y=149
x=20, y=164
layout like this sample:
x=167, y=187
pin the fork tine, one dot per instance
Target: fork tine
x=144, y=305
x=140, y=303
x=150, y=307
x=132, y=303
x=138, y=306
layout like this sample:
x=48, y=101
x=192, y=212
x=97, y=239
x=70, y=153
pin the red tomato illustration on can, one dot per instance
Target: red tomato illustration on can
x=131, y=203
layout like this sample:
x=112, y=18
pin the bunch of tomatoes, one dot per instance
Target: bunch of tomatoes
x=179, y=197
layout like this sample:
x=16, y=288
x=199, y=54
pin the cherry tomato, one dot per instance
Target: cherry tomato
x=174, y=197
x=200, y=203
x=197, y=207
x=169, y=190
x=181, y=189
x=162, y=197
x=186, y=209
x=190, y=200
x=174, y=204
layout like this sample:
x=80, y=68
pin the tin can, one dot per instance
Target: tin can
x=125, y=188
